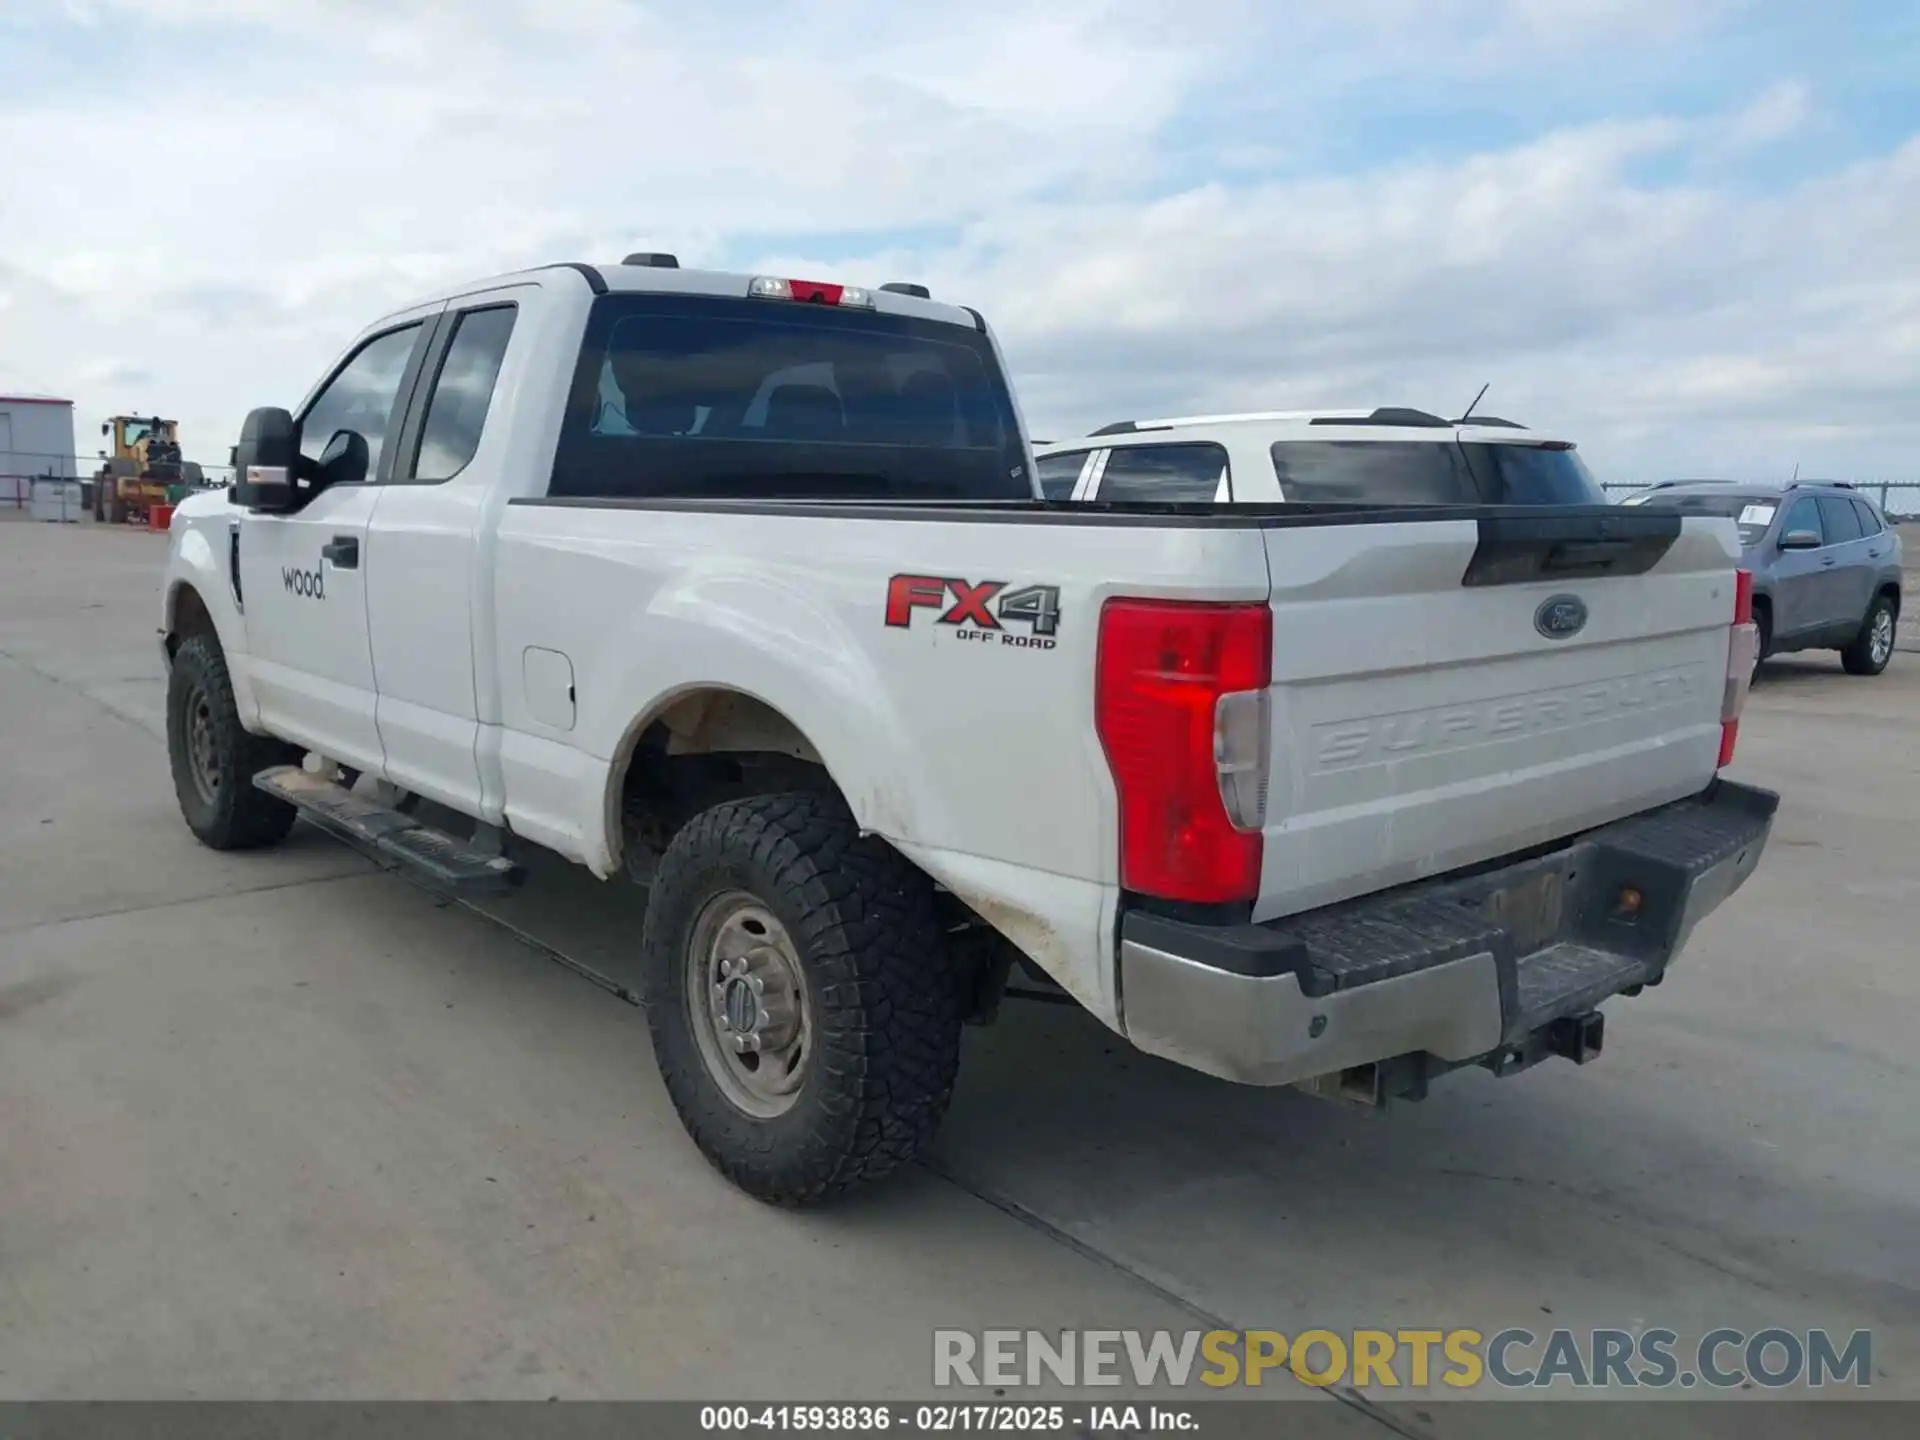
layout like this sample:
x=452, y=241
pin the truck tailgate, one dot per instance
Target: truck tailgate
x=1448, y=691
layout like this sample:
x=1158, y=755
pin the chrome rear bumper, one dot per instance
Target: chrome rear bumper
x=1491, y=967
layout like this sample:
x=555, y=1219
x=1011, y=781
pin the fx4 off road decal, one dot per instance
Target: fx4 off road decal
x=311, y=583
x=978, y=612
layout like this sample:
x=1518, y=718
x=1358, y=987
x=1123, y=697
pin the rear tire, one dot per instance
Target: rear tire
x=804, y=1005
x=1763, y=622
x=214, y=759
x=1872, y=648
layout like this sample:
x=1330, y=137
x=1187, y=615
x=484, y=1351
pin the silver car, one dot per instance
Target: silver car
x=1825, y=563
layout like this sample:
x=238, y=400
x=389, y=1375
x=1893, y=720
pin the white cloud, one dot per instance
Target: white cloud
x=1781, y=111
x=326, y=161
x=1671, y=328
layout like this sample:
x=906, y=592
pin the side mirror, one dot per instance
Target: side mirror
x=345, y=461
x=264, y=461
x=1800, y=540
x=106, y=429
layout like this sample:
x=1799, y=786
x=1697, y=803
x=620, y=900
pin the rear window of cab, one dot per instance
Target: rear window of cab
x=701, y=396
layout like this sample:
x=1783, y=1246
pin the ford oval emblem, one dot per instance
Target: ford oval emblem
x=1560, y=616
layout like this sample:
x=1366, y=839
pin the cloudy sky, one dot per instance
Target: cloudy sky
x=1684, y=232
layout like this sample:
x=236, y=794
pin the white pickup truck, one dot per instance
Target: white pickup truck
x=741, y=587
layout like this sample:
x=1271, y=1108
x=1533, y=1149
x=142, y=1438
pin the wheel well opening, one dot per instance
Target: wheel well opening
x=700, y=750
x=190, y=618
x=711, y=746
x=1890, y=591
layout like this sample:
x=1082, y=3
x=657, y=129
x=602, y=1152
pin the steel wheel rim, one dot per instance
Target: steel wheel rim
x=747, y=1001
x=1882, y=635
x=202, y=748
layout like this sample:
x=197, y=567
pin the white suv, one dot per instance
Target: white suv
x=1389, y=456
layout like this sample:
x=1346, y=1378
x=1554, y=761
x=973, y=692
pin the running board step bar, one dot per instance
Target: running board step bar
x=432, y=854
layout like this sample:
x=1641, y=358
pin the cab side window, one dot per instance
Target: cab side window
x=463, y=394
x=360, y=397
x=1869, y=521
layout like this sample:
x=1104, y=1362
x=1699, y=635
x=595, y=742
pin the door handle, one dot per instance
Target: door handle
x=1826, y=562
x=343, y=551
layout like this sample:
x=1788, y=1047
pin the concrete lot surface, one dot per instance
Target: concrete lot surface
x=286, y=1125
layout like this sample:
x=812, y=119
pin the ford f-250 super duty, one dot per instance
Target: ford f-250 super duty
x=741, y=586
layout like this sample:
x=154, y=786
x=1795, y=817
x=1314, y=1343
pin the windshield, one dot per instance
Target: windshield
x=1751, y=514
x=693, y=396
x=1409, y=472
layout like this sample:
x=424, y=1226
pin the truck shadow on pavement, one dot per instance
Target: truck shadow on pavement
x=1616, y=1194
x=1565, y=1192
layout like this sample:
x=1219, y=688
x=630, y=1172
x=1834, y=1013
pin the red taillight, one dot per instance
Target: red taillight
x=1743, y=653
x=1163, y=667
x=1729, y=737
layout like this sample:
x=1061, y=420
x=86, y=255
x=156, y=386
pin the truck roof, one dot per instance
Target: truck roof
x=661, y=274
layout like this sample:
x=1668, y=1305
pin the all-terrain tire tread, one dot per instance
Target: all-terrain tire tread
x=886, y=994
x=244, y=818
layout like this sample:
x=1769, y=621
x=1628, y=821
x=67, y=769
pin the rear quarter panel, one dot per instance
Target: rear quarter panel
x=972, y=752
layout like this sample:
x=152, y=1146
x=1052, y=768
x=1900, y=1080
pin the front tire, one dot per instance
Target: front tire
x=804, y=1006
x=214, y=759
x=1872, y=648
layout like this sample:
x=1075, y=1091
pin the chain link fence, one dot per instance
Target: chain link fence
x=20, y=468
